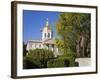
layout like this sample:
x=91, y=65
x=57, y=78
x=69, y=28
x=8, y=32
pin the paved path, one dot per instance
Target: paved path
x=84, y=61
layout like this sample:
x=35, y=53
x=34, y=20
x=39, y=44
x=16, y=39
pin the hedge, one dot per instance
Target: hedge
x=55, y=63
x=61, y=61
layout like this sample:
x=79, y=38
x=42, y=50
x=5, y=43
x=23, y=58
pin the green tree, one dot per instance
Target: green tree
x=74, y=32
x=24, y=49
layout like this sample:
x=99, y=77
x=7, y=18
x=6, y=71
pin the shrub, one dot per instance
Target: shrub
x=39, y=57
x=70, y=59
x=62, y=61
x=70, y=56
x=76, y=64
x=28, y=64
x=55, y=63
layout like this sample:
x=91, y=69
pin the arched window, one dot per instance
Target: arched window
x=48, y=35
x=45, y=34
x=40, y=46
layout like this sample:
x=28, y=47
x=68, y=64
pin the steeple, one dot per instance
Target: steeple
x=47, y=23
x=46, y=31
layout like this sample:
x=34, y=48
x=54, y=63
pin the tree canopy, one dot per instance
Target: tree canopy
x=74, y=31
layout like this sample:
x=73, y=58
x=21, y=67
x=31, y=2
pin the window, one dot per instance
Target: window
x=40, y=46
x=45, y=34
x=48, y=35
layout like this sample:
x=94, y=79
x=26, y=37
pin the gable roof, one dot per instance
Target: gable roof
x=49, y=41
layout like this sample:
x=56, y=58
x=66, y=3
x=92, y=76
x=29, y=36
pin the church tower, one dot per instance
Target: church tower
x=47, y=32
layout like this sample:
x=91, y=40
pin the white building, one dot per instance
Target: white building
x=47, y=41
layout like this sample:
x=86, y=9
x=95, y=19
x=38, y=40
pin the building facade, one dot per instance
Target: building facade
x=47, y=41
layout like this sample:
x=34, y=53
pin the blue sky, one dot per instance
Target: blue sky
x=34, y=21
